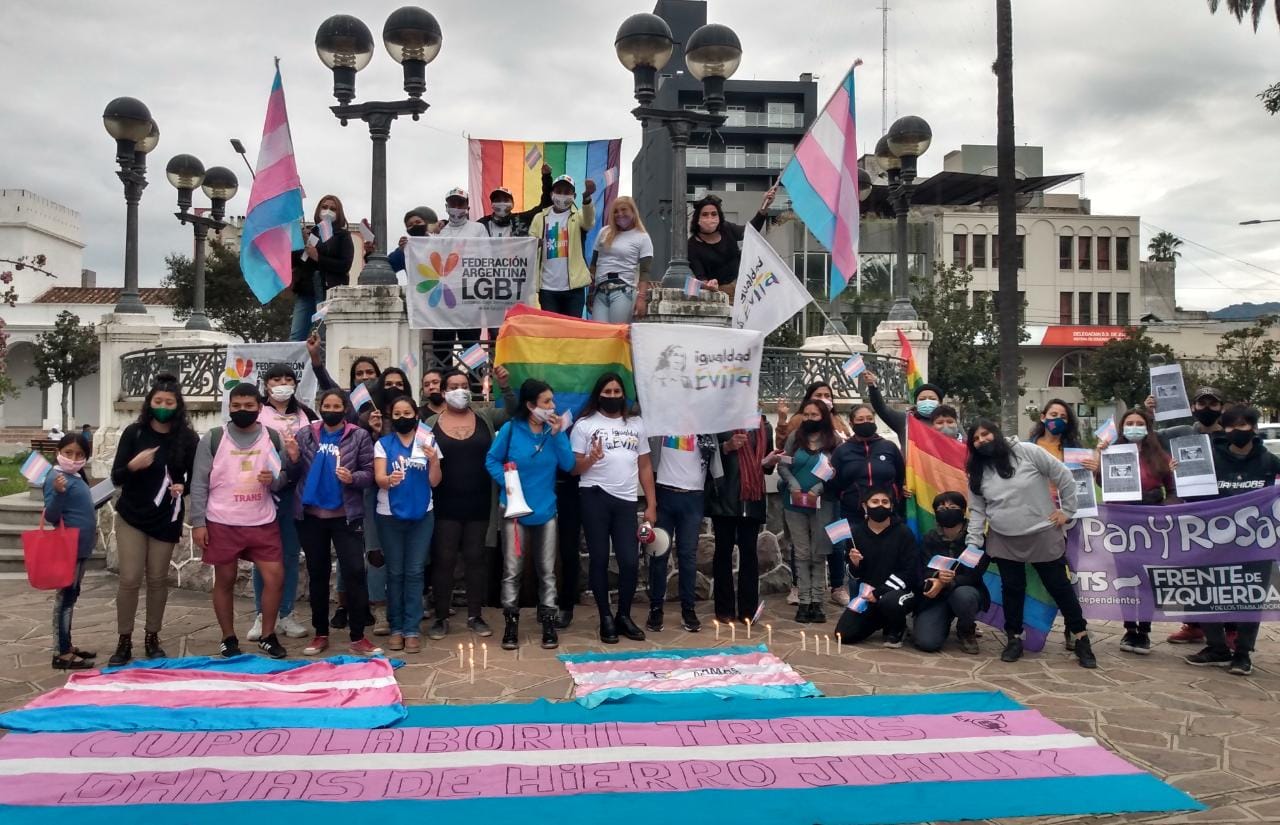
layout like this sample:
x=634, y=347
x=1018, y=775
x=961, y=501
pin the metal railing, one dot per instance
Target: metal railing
x=735, y=160
x=765, y=120
x=784, y=373
x=198, y=369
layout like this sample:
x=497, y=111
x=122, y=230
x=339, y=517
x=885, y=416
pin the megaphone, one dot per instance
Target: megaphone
x=654, y=541
x=516, y=505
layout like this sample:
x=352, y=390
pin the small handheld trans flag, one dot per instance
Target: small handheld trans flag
x=860, y=602
x=941, y=562
x=1107, y=431
x=692, y=286
x=823, y=468
x=854, y=367
x=839, y=531
x=971, y=556
x=360, y=396
x=35, y=468
x=474, y=357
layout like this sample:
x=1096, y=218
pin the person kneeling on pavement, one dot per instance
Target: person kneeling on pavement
x=885, y=557
x=958, y=594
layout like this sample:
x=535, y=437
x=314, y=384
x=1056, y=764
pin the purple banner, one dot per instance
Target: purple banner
x=1205, y=561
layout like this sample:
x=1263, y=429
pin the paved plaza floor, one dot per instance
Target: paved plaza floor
x=1214, y=735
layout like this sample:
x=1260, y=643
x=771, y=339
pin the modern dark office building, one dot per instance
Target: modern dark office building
x=766, y=119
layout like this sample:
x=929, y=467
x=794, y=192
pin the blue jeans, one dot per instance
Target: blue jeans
x=933, y=621
x=64, y=605
x=406, y=546
x=614, y=306
x=680, y=514
x=304, y=306
x=291, y=547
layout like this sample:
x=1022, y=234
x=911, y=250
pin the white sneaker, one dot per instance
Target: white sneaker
x=794, y=596
x=255, y=632
x=290, y=627
x=840, y=595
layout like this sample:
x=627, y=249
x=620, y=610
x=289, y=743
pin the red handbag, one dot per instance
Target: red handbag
x=50, y=555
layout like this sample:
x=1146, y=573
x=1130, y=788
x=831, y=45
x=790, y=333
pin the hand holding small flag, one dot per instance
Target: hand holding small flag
x=971, y=556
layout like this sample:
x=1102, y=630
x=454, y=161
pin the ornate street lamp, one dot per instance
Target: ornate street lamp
x=219, y=184
x=413, y=38
x=897, y=153
x=129, y=122
x=644, y=45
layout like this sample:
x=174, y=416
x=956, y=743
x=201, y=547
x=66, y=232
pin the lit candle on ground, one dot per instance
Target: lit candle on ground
x=802, y=645
x=748, y=621
x=484, y=651
x=733, y=631
x=768, y=629
x=828, y=639
x=473, y=666
x=716, y=622
x=459, y=655
x=839, y=642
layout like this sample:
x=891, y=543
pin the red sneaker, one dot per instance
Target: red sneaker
x=1187, y=635
x=318, y=645
x=365, y=648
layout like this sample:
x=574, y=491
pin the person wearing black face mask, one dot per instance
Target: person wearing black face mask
x=502, y=221
x=883, y=556
x=958, y=594
x=417, y=224
x=867, y=460
x=1242, y=465
x=808, y=507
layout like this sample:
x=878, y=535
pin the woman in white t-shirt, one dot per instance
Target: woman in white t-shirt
x=620, y=264
x=612, y=450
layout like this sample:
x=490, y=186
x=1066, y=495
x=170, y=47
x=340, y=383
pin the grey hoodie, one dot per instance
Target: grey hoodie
x=1021, y=504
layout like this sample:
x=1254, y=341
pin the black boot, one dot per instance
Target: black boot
x=124, y=651
x=550, y=640
x=1012, y=650
x=1084, y=652
x=628, y=628
x=608, y=632
x=511, y=634
x=566, y=618
x=151, y=643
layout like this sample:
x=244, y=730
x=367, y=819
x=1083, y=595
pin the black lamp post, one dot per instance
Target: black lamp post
x=644, y=45
x=412, y=37
x=897, y=152
x=186, y=172
x=128, y=120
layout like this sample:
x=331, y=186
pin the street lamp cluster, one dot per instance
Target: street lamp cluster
x=344, y=43
x=897, y=152
x=644, y=44
x=219, y=185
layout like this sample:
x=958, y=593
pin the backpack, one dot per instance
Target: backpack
x=215, y=439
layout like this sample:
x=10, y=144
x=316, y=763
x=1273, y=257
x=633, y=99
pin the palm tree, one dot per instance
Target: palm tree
x=1007, y=210
x=1239, y=8
x=1164, y=247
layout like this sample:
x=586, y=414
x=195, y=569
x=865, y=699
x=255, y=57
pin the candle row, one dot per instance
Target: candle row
x=817, y=643
x=733, y=630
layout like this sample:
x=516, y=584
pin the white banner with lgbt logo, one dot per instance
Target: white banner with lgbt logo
x=247, y=363
x=466, y=283
x=696, y=379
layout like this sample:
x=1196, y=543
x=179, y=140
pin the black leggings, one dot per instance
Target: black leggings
x=347, y=538
x=1013, y=584
x=571, y=302
x=744, y=533
x=607, y=520
x=450, y=540
x=569, y=537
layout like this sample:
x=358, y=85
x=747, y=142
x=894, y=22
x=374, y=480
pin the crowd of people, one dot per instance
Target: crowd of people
x=404, y=491
x=606, y=283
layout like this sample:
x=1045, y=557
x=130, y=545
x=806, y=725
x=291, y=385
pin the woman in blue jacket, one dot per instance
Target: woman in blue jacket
x=533, y=442
x=67, y=500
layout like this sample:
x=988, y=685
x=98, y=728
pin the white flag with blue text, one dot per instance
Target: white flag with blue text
x=768, y=292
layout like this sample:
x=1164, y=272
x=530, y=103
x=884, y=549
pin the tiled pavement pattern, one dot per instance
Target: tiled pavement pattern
x=1214, y=735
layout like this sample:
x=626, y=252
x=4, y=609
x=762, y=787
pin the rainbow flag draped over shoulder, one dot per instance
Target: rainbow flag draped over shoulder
x=935, y=464
x=517, y=165
x=914, y=378
x=273, y=223
x=567, y=353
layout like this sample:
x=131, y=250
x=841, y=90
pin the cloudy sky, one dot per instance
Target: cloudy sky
x=1153, y=99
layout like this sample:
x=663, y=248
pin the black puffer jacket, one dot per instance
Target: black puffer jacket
x=935, y=544
x=863, y=463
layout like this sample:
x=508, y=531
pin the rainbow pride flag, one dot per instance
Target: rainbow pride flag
x=935, y=464
x=517, y=165
x=914, y=378
x=855, y=760
x=567, y=353
x=683, y=443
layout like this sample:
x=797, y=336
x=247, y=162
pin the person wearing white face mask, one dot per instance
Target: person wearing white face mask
x=503, y=221
x=467, y=516
x=620, y=264
x=285, y=414
x=323, y=263
x=562, y=274
x=67, y=500
x=458, y=210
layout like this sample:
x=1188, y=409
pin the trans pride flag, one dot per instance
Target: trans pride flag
x=517, y=165
x=862, y=759
x=822, y=181
x=935, y=464
x=567, y=353
x=273, y=222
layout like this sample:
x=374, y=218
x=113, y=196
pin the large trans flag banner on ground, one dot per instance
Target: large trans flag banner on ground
x=864, y=759
x=517, y=165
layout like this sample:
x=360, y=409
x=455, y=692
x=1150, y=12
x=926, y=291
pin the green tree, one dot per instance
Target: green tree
x=64, y=355
x=1269, y=96
x=1164, y=247
x=961, y=358
x=9, y=295
x=230, y=305
x=1120, y=369
x=1249, y=373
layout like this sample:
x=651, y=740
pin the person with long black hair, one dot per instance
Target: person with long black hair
x=612, y=447
x=714, y=251
x=152, y=470
x=1058, y=430
x=808, y=507
x=321, y=264
x=1012, y=514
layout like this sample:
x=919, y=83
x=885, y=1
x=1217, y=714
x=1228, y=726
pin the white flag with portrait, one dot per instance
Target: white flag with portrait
x=696, y=379
x=247, y=363
x=768, y=293
x=466, y=283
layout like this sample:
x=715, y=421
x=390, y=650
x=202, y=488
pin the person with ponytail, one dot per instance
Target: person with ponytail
x=152, y=471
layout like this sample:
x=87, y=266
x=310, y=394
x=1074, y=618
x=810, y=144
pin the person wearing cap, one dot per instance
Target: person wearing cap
x=561, y=275
x=926, y=398
x=418, y=222
x=459, y=225
x=502, y=222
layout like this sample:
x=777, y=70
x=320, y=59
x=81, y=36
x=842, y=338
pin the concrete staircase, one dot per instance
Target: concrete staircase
x=19, y=513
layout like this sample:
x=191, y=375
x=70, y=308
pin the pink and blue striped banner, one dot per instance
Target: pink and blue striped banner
x=866, y=759
x=242, y=693
x=744, y=671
